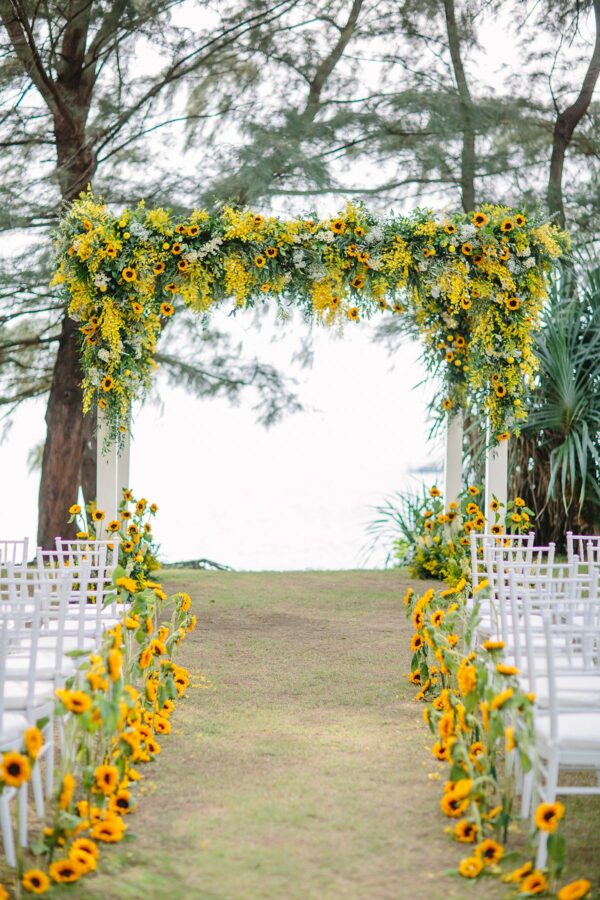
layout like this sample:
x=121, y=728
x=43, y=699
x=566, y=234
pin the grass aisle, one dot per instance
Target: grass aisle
x=298, y=764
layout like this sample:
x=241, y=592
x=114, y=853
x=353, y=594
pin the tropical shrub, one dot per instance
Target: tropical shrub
x=556, y=460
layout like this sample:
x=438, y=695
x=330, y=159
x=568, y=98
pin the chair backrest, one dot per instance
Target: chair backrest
x=562, y=594
x=585, y=546
x=571, y=650
x=88, y=587
x=21, y=625
x=95, y=552
x=14, y=552
x=481, y=543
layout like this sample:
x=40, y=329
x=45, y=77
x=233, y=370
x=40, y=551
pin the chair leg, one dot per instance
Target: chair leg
x=527, y=793
x=7, y=831
x=22, y=817
x=548, y=795
x=38, y=790
x=50, y=763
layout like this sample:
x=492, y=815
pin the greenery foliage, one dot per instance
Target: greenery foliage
x=556, y=460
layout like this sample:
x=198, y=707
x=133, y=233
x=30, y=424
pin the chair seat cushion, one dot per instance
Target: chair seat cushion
x=580, y=691
x=578, y=737
x=17, y=665
x=16, y=694
x=12, y=727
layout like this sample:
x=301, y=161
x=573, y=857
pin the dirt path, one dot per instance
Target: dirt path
x=298, y=767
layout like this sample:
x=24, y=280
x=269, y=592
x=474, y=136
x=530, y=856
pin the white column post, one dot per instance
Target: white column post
x=106, y=473
x=123, y=466
x=453, y=457
x=496, y=473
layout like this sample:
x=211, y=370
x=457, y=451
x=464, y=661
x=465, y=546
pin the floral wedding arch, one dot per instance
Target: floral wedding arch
x=470, y=285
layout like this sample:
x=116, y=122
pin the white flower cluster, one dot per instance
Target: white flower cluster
x=100, y=281
x=467, y=231
x=299, y=261
x=206, y=249
x=374, y=235
x=139, y=231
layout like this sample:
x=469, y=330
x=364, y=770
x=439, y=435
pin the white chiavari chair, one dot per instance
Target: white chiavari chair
x=13, y=553
x=12, y=729
x=567, y=735
x=585, y=546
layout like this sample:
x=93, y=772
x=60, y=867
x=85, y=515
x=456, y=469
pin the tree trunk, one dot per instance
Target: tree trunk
x=61, y=462
x=565, y=125
x=467, y=159
x=69, y=459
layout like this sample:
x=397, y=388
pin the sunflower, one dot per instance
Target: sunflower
x=472, y=508
x=449, y=355
x=415, y=677
x=162, y=725
x=65, y=871
x=416, y=643
x=107, y=383
x=470, y=867
x=176, y=249
x=271, y=252
x=182, y=265
x=466, y=832
x=535, y=883
x=504, y=254
x=507, y=225
x=446, y=404
x=129, y=274
x=437, y=618
x=115, y=664
x=520, y=220
x=193, y=230
x=574, y=890
x=170, y=287
x=153, y=508
x=359, y=231
x=106, y=779
x=441, y=751
x=353, y=314
x=98, y=515
x=452, y=806
x=15, y=769
x=338, y=226
x=503, y=669
x=548, y=815
x=449, y=228
x=159, y=268
x=467, y=249
x=490, y=646
x=382, y=304
x=120, y=803
x=479, y=219
x=34, y=741
x=259, y=261
x=500, y=389
x=490, y=852
x=125, y=514
x=145, y=658
x=358, y=282
x=513, y=303
x=35, y=881
x=109, y=831
x=502, y=698
x=166, y=309
x=85, y=860
x=434, y=491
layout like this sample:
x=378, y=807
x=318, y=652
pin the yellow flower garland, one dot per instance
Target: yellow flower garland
x=471, y=285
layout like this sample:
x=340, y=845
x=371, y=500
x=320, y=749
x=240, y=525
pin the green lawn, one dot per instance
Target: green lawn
x=298, y=766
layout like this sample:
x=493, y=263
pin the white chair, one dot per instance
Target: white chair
x=13, y=552
x=12, y=729
x=87, y=605
x=584, y=546
x=568, y=737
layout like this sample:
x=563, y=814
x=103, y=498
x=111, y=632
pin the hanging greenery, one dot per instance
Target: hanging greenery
x=472, y=285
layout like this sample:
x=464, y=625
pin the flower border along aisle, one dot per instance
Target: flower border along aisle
x=471, y=286
x=116, y=708
x=478, y=716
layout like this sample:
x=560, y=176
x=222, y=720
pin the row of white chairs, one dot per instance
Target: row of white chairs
x=548, y=616
x=49, y=611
